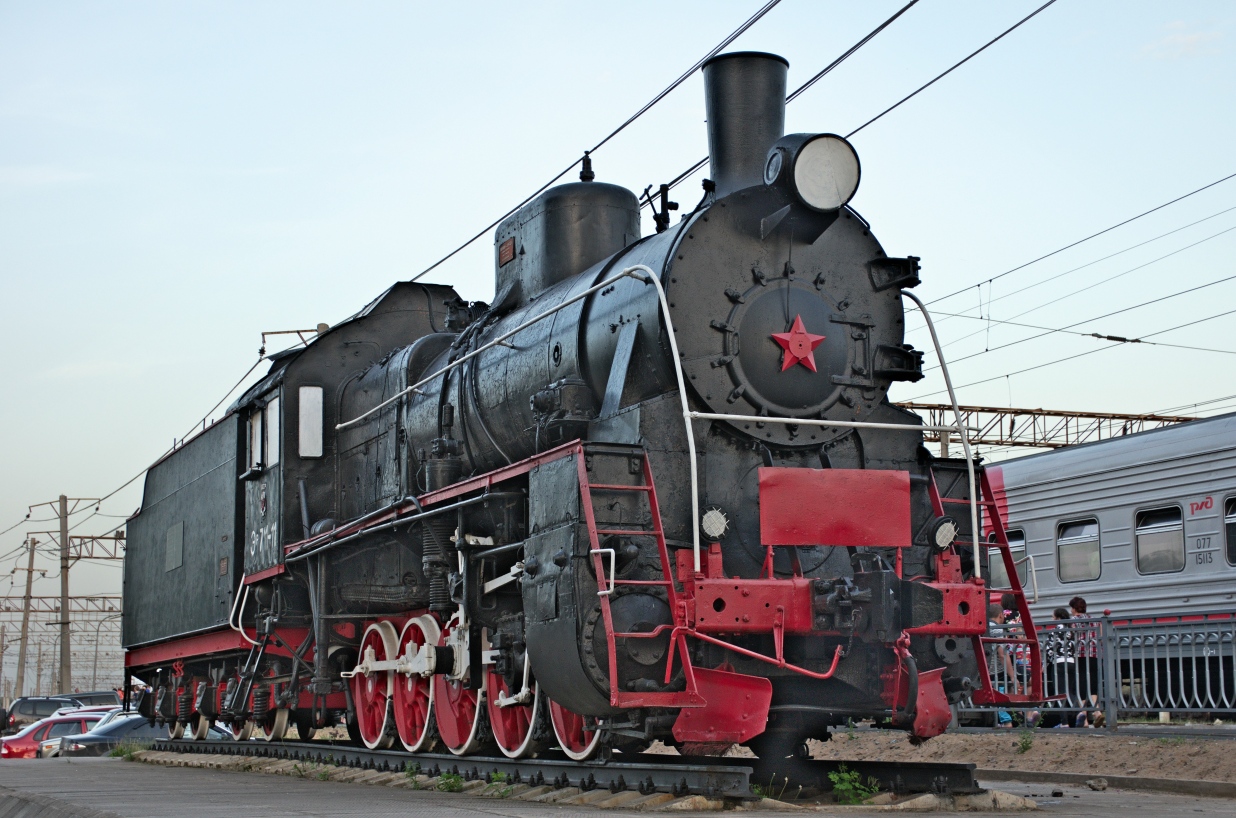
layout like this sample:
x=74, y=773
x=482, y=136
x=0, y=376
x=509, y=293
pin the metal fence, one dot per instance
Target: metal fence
x=1119, y=668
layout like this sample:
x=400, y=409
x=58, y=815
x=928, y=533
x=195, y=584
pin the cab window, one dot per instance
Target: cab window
x=1160, y=541
x=310, y=427
x=272, y=432
x=255, y=440
x=1077, y=550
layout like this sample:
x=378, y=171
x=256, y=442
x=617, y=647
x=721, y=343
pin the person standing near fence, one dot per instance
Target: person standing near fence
x=1061, y=650
x=999, y=663
x=1087, y=664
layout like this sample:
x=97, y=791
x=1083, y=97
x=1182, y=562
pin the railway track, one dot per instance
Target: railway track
x=643, y=772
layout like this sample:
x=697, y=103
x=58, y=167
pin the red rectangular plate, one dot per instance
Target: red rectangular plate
x=848, y=507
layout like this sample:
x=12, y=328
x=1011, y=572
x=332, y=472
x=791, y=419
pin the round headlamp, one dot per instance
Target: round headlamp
x=822, y=169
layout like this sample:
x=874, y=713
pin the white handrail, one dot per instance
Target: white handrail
x=647, y=275
x=961, y=429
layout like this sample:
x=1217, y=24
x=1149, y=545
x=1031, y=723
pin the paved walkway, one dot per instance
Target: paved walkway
x=135, y=790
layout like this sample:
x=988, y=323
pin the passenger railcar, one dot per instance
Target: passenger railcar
x=655, y=490
x=1142, y=525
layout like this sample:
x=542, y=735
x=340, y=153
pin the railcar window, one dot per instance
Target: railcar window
x=1017, y=547
x=310, y=429
x=1229, y=523
x=1160, y=541
x=272, y=432
x=1077, y=550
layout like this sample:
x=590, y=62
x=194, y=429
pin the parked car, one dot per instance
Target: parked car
x=132, y=727
x=49, y=747
x=95, y=697
x=98, y=708
x=26, y=744
x=29, y=709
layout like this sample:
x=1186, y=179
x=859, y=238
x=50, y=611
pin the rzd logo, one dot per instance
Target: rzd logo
x=1208, y=503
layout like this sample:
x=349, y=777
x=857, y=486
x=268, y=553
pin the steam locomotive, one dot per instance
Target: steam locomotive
x=655, y=490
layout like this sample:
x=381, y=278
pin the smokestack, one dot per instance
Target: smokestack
x=745, y=95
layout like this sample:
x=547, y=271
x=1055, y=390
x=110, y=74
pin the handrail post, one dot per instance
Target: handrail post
x=1111, y=674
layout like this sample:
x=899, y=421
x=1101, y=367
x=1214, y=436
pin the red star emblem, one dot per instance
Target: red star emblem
x=798, y=345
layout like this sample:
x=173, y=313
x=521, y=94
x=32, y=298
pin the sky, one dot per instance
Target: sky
x=178, y=178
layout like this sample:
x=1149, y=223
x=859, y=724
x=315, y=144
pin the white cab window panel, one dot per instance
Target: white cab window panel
x=1160, y=541
x=1017, y=548
x=272, y=432
x=1077, y=551
x=255, y=439
x=310, y=426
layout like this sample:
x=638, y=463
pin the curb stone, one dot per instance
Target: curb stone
x=1184, y=786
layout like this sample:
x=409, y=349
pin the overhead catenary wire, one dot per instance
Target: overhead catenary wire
x=955, y=66
x=1078, y=292
x=1072, y=357
x=1071, y=245
x=767, y=7
x=1048, y=330
x=1040, y=282
x=695, y=167
x=797, y=92
x=1176, y=294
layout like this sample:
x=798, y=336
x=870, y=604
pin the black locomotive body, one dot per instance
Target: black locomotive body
x=655, y=490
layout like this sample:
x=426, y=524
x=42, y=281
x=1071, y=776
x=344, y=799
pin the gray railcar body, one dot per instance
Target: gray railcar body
x=1190, y=468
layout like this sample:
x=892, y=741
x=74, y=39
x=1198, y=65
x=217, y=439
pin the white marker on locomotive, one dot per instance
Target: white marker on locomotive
x=655, y=490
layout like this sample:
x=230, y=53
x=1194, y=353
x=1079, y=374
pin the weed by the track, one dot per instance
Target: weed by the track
x=849, y=788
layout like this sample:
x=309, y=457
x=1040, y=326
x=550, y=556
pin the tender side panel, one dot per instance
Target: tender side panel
x=184, y=544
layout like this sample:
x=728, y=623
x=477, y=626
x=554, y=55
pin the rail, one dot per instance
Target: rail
x=729, y=778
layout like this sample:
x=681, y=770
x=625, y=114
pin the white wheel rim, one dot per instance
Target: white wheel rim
x=201, y=726
x=474, y=735
x=389, y=645
x=526, y=747
x=175, y=729
x=278, y=727
x=430, y=630
x=581, y=755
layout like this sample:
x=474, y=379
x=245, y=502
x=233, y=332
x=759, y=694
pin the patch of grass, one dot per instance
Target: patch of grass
x=411, y=769
x=1025, y=741
x=128, y=749
x=771, y=790
x=499, y=777
x=1171, y=741
x=450, y=782
x=849, y=788
x=849, y=730
x=324, y=775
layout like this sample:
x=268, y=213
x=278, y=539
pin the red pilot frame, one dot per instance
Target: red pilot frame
x=798, y=507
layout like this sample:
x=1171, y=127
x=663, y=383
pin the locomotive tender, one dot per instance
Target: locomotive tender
x=654, y=491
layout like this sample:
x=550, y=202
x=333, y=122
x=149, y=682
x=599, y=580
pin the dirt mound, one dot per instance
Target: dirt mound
x=1092, y=752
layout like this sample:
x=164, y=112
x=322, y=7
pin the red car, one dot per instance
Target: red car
x=26, y=743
